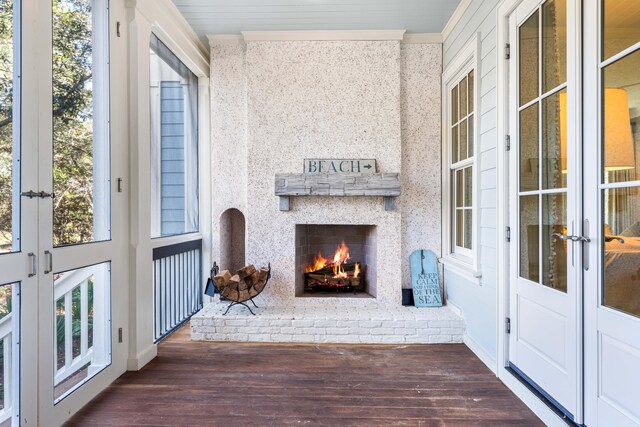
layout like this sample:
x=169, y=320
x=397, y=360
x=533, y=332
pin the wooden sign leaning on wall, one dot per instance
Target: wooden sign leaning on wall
x=365, y=166
x=425, y=279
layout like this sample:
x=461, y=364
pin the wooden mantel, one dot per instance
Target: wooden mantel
x=385, y=185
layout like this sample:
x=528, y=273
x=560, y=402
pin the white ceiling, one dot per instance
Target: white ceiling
x=232, y=16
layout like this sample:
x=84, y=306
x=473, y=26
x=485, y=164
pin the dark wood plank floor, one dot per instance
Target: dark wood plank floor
x=246, y=384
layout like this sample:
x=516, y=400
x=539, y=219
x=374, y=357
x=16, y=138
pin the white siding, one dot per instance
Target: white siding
x=478, y=301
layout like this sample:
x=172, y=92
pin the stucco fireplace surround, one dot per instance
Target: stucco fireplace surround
x=276, y=103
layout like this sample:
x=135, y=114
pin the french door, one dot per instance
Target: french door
x=612, y=206
x=63, y=260
x=575, y=206
x=545, y=195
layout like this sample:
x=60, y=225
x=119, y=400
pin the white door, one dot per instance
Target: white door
x=62, y=223
x=19, y=258
x=544, y=338
x=612, y=208
x=81, y=229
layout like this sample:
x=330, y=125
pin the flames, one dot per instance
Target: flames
x=340, y=258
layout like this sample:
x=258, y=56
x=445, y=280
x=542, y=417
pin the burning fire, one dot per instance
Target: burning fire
x=340, y=258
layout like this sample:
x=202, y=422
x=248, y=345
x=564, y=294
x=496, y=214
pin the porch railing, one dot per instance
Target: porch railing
x=6, y=337
x=177, y=285
x=74, y=294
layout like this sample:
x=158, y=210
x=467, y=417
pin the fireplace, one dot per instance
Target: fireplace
x=336, y=260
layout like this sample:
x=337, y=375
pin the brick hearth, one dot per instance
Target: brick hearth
x=316, y=324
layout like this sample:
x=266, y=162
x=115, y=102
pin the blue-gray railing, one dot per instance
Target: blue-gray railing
x=177, y=284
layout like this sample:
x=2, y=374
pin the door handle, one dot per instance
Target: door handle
x=562, y=237
x=34, y=264
x=48, y=266
x=581, y=239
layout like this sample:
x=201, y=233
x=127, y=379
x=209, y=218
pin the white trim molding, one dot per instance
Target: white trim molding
x=455, y=18
x=225, y=39
x=422, y=38
x=173, y=29
x=484, y=357
x=323, y=35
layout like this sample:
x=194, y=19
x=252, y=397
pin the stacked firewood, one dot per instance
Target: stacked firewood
x=245, y=284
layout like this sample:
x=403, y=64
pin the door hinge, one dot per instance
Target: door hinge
x=119, y=335
x=507, y=234
x=507, y=325
x=507, y=51
x=507, y=142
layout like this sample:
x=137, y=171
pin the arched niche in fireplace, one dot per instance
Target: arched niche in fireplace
x=232, y=240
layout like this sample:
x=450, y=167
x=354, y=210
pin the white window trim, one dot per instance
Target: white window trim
x=467, y=263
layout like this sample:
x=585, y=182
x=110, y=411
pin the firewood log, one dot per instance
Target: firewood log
x=232, y=295
x=264, y=273
x=253, y=292
x=233, y=283
x=245, y=271
x=222, y=279
x=253, y=279
x=243, y=285
x=259, y=286
x=243, y=295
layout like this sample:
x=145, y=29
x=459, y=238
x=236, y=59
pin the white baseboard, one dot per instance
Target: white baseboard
x=144, y=357
x=481, y=353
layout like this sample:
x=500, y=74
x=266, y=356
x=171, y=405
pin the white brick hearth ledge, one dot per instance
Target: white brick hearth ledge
x=315, y=324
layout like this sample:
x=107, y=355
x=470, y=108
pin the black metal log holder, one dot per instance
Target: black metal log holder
x=244, y=301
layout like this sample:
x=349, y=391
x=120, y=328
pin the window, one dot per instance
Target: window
x=9, y=131
x=174, y=144
x=80, y=110
x=459, y=165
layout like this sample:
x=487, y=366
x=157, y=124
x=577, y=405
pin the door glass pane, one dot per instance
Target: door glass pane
x=622, y=249
x=529, y=148
x=174, y=144
x=9, y=137
x=529, y=59
x=9, y=352
x=529, y=238
x=82, y=326
x=621, y=26
x=554, y=255
x=554, y=140
x=621, y=111
x=554, y=44
x=80, y=122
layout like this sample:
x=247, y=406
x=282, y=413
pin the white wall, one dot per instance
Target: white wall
x=421, y=71
x=276, y=103
x=477, y=300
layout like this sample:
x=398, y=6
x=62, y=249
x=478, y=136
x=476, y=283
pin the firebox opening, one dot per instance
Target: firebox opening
x=336, y=260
